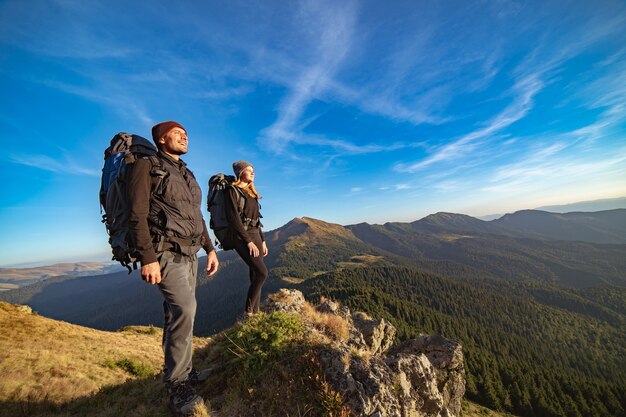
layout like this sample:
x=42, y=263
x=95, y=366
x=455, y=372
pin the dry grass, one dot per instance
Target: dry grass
x=361, y=261
x=44, y=358
x=49, y=367
x=450, y=237
x=335, y=327
x=292, y=280
x=200, y=411
x=364, y=355
x=470, y=409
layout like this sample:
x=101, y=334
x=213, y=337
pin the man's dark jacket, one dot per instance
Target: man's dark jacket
x=170, y=215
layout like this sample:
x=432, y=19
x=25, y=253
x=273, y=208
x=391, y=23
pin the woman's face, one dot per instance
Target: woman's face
x=247, y=175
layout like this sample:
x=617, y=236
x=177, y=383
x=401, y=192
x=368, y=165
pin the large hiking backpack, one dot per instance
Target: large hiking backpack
x=124, y=150
x=218, y=184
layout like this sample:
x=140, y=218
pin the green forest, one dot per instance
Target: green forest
x=530, y=348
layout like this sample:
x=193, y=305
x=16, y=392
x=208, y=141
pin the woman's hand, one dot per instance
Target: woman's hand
x=254, y=251
x=264, y=249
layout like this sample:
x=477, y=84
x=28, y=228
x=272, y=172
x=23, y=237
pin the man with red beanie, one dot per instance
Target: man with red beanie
x=167, y=228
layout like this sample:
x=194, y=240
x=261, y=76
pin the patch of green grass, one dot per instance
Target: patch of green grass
x=266, y=366
x=149, y=330
x=263, y=337
x=131, y=365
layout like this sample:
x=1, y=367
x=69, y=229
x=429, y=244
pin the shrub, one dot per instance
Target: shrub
x=263, y=337
x=132, y=366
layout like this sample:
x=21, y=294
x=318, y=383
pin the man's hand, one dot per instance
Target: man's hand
x=151, y=273
x=254, y=251
x=211, y=263
x=265, y=251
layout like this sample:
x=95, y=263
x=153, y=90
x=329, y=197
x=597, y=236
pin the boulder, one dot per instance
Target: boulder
x=422, y=377
x=284, y=300
x=374, y=336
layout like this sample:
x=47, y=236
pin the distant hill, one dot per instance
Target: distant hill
x=589, y=206
x=598, y=227
x=11, y=278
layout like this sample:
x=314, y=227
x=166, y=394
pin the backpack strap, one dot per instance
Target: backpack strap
x=241, y=202
x=158, y=174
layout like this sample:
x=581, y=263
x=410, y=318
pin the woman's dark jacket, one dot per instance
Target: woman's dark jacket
x=251, y=210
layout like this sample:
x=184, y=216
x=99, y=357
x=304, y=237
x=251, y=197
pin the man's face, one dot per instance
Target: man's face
x=174, y=142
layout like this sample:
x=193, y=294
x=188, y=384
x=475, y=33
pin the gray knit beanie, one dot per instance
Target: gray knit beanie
x=240, y=166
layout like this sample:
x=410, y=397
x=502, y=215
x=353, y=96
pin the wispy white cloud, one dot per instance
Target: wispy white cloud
x=565, y=155
x=446, y=186
x=334, y=25
x=113, y=97
x=396, y=187
x=47, y=163
x=525, y=90
x=529, y=174
x=345, y=147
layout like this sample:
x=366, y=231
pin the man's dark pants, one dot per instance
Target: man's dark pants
x=178, y=286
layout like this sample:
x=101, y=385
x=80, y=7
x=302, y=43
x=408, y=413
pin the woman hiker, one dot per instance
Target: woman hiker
x=246, y=227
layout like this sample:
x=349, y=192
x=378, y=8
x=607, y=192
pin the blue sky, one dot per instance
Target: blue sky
x=350, y=111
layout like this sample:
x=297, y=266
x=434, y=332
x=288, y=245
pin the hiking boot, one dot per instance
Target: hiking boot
x=182, y=398
x=196, y=377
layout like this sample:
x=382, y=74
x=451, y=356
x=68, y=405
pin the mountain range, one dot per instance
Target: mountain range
x=574, y=249
x=11, y=278
x=537, y=299
x=590, y=205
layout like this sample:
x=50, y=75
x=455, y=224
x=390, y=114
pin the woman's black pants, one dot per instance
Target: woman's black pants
x=258, y=270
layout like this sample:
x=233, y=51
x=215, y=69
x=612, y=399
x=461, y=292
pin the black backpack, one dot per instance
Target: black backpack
x=124, y=150
x=218, y=184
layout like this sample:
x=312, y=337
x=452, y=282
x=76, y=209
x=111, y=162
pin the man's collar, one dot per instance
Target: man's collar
x=172, y=160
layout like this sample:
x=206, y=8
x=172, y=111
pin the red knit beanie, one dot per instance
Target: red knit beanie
x=161, y=129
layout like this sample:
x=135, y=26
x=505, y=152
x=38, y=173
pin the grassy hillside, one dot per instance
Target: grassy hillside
x=49, y=367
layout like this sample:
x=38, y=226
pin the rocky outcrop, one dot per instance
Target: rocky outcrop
x=422, y=377
x=290, y=301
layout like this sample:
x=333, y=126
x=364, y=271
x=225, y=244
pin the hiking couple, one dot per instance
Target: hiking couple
x=167, y=229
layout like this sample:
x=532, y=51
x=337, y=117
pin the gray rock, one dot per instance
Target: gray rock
x=333, y=307
x=423, y=377
x=284, y=300
x=446, y=357
x=377, y=335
